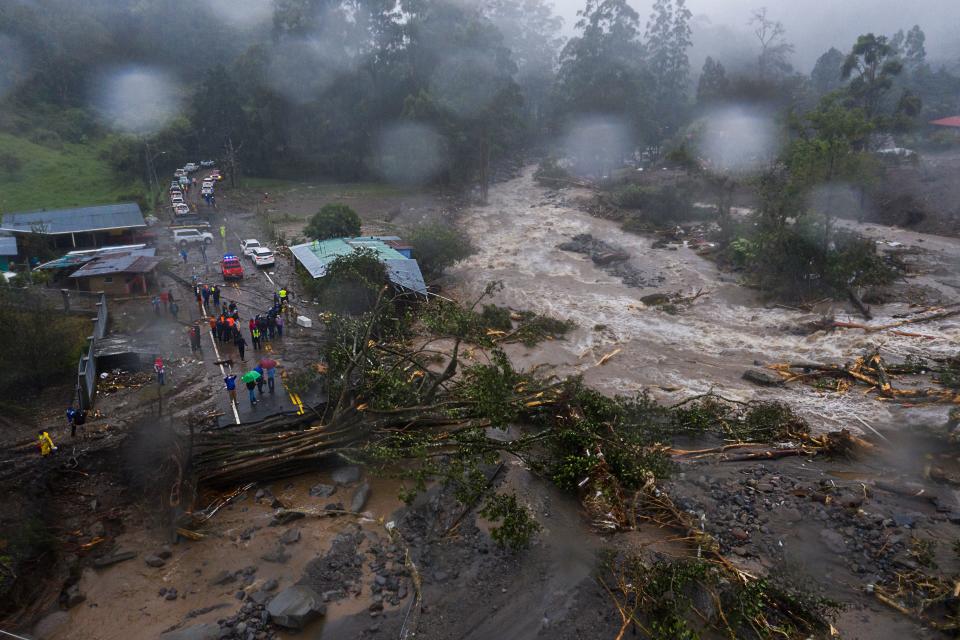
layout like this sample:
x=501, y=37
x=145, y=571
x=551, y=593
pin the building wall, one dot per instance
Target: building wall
x=118, y=284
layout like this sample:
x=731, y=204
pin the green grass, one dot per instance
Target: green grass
x=73, y=175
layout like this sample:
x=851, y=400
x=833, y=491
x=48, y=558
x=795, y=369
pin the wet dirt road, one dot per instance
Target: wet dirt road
x=707, y=346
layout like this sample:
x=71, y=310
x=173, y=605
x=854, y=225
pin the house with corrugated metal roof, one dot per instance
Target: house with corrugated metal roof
x=118, y=272
x=402, y=269
x=96, y=226
x=8, y=250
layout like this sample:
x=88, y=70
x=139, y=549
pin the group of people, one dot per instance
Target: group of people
x=166, y=300
x=266, y=377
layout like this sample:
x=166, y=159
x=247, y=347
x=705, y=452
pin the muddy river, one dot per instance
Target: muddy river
x=707, y=346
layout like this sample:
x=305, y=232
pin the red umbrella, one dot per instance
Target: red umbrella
x=268, y=363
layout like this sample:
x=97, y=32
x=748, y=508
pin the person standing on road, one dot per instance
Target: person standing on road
x=165, y=299
x=280, y=327
x=170, y=295
x=174, y=309
x=255, y=337
x=260, y=380
x=271, y=326
x=71, y=416
x=252, y=324
x=262, y=325
x=215, y=290
x=158, y=368
x=231, y=383
x=155, y=301
x=205, y=292
x=241, y=344
x=45, y=443
x=270, y=374
x=183, y=255
x=253, y=397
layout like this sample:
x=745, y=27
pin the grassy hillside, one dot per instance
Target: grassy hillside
x=47, y=178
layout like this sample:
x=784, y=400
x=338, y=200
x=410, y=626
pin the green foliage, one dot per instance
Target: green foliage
x=657, y=206
x=438, y=246
x=490, y=388
x=335, y=220
x=492, y=325
x=871, y=67
x=517, y=527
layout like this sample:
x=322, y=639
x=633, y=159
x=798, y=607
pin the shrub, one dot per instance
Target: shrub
x=516, y=527
x=335, y=220
x=10, y=163
x=665, y=205
x=437, y=247
x=550, y=173
x=351, y=284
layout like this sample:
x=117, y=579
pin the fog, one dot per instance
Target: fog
x=720, y=26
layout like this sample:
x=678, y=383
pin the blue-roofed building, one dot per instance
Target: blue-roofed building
x=402, y=269
x=95, y=226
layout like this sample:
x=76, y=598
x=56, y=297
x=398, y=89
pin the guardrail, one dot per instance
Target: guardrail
x=87, y=367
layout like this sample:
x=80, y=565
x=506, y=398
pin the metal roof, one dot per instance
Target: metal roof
x=8, y=246
x=126, y=262
x=77, y=220
x=402, y=271
x=77, y=258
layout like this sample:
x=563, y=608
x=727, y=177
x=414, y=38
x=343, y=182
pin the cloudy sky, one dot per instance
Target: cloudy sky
x=812, y=25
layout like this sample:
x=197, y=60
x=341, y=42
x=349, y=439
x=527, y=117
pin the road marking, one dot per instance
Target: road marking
x=223, y=372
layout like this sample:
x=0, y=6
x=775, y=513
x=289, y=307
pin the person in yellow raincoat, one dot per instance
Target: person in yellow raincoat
x=45, y=442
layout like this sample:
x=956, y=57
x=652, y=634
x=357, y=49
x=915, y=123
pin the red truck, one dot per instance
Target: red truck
x=231, y=267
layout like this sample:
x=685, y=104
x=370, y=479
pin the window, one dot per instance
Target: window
x=108, y=279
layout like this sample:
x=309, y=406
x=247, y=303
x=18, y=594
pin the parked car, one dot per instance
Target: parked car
x=207, y=163
x=262, y=257
x=180, y=173
x=231, y=268
x=175, y=184
x=216, y=176
x=177, y=199
x=206, y=191
x=207, y=183
x=248, y=246
x=190, y=167
x=181, y=209
x=183, y=237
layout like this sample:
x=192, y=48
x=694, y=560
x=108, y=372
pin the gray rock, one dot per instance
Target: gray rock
x=278, y=555
x=763, y=377
x=223, y=577
x=154, y=561
x=259, y=597
x=360, y=497
x=833, y=540
x=346, y=475
x=322, y=490
x=47, y=627
x=206, y=631
x=270, y=585
x=290, y=536
x=112, y=559
x=171, y=594
x=295, y=607
x=73, y=596
x=165, y=552
x=285, y=517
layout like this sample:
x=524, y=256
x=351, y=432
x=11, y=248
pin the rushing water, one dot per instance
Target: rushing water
x=707, y=346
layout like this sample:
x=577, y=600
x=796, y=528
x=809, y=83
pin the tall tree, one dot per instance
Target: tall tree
x=826, y=74
x=713, y=83
x=774, y=48
x=871, y=66
x=666, y=41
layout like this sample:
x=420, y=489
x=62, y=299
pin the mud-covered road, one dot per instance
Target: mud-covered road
x=706, y=346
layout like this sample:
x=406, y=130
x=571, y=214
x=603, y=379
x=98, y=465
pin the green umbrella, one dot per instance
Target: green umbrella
x=250, y=376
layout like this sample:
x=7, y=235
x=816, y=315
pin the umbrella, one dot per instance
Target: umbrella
x=268, y=363
x=250, y=376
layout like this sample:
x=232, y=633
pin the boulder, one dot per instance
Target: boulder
x=359, y=498
x=222, y=578
x=655, y=299
x=346, y=475
x=73, y=596
x=47, y=627
x=290, y=536
x=763, y=377
x=285, y=517
x=295, y=607
x=322, y=490
x=278, y=556
x=206, y=631
x=154, y=561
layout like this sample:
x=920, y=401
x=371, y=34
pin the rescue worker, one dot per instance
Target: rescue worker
x=71, y=414
x=255, y=337
x=45, y=443
x=230, y=382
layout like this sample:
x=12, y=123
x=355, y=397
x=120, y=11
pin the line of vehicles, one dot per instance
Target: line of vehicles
x=181, y=184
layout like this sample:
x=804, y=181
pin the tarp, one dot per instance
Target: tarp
x=952, y=121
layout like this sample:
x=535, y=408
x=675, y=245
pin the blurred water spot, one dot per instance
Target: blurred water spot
x=598, y=144
x=410, y=153
x=241, y=14
x=136, y=99
x=738, y=139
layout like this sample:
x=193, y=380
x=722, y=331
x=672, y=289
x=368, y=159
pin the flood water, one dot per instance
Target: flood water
x=707, y=346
